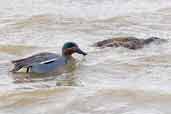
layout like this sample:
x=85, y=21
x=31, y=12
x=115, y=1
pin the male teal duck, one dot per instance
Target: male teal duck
x=47, y=62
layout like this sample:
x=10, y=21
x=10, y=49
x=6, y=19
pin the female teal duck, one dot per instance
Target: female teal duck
x=128, y=42
x=47, y=62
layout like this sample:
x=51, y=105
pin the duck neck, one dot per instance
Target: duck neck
x=67, y=56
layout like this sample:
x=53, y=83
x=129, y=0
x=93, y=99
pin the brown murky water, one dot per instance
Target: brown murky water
x=107, y=81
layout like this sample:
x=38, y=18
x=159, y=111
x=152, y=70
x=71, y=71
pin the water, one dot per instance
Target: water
x=107, y=81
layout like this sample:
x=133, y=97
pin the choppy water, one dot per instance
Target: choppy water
x=107, y=81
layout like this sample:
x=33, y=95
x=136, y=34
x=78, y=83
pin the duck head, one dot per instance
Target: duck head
x=70, y=48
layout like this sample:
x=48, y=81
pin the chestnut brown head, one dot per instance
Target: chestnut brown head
x=70, y=48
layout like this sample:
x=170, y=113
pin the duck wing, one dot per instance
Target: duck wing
x=32, y=60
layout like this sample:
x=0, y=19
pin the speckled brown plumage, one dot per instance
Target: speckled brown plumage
x=128, y=42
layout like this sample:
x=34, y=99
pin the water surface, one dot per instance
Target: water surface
x=107, y=81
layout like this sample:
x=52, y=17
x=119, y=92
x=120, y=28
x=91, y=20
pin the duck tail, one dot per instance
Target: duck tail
x=18, y=64
x=17, y=67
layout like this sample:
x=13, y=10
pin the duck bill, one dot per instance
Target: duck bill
x=79, y=51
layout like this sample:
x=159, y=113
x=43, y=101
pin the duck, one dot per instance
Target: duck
x=46, y=62
x=128, y=42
